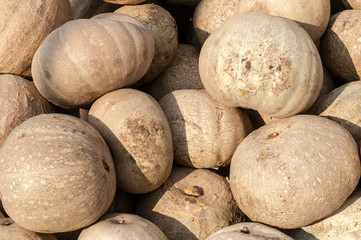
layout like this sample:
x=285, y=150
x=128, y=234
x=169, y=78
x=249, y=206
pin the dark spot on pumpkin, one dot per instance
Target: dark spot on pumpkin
x=105, y=165
x=279, y=68
x=47, y=74
x=22, y=136
x=245, y=229
x=248, y=65
x=117, y=222
x=73, y=130
x=270, y=67
x=273, y=135
x=194, y=191
x=191, y=200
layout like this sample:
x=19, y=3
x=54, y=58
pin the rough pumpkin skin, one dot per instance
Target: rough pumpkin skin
x=165, y=33
x=262, y=62
x=9, y=230
x=191, y=204
x=19, y=100
x=205, y=132
x=86, y=58
x=122, y=226
x=138, y=134
x=56, y=175
x=248, y=231
x=181, y=73
x=313, y=16
x=295, y=171
x=24, y=26
x=340, y=45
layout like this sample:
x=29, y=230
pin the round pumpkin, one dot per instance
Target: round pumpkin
x=138, y=134
x=354, y=4
x=122, y=226
x=205, y=132
x=86, y=58
x=24, y=26
x=262, y=62
x=191, y=204
x=165, y=33
x=340, y=46
x=19, y=100
x=313, y=16
x=248, y=231
x=295, y=171
x=210, y=14
x=182, y=73
x=56, y=175
x=9, y=230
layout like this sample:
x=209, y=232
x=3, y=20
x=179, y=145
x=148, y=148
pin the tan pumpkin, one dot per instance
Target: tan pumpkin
x=262, y=62
x=19, y=100
x=56, y=175
x=313, y=16
x=295, y=171
x=340, y=46
x=86, y=58
x=354, y=4
x=165, y=33
x=9, y=230
x=138, y=134
x=122, y=226
x=23, y=27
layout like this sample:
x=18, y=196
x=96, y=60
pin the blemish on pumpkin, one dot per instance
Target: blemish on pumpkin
x=105, y=165
x=273, y=135
x=248, y=65
x=245, y=230
x=6, y=223
x=191, y=200
x=194, y=191
x=241, y=93
x=22, y=136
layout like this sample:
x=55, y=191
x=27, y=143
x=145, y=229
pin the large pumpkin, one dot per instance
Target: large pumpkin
x=265, y=63
x=86, y=58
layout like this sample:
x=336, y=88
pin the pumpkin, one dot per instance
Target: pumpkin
x=205, y=132
x=90, y=8
x=354, y=4
x=19, y=100
x=248, y=231
x=165, y=33
x=344, y=223
x=340, y=46
x=24, y=26
x=295, y=171
x=210, y=14
x=262, y=62
x=86, y=58
x=57, y=174
x=191, y=204
x=9, y=230
x=182, y=73
x=313, y=16
x=122, y=226
x=138, y=134
x=125, y=1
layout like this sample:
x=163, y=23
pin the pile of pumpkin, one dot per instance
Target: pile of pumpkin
x=180, y=119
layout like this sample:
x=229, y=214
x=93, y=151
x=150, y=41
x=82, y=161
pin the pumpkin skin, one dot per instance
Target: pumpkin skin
x=86, y=58
x=340, y=46
x=19, y=100
x=122, y=226
x=125, y=1
x=24, y=26
x=191, y=204
x=210, y=14
x=259, y=61
x=248, y=231
x=344, y=223
x=354, y=4
x=165, y=33
x=205, y=132
x=63, y=171
x=295, y=171
x=182, y=73
x=313, y=16
x=138, y=134
x=9, y=230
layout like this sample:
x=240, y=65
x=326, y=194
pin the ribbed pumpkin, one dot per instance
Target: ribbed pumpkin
x=24, y=26
x=87, y=58
x=262, y=62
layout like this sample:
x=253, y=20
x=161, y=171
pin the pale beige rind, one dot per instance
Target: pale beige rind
x=294, y=172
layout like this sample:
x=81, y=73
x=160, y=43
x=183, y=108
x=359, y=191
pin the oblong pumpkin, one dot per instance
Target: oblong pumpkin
x=138, y=134
x=86, y=58
x=295, y=171
x=262, y=62
x=19, y=100
x=24, y=25
x=56, y=175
